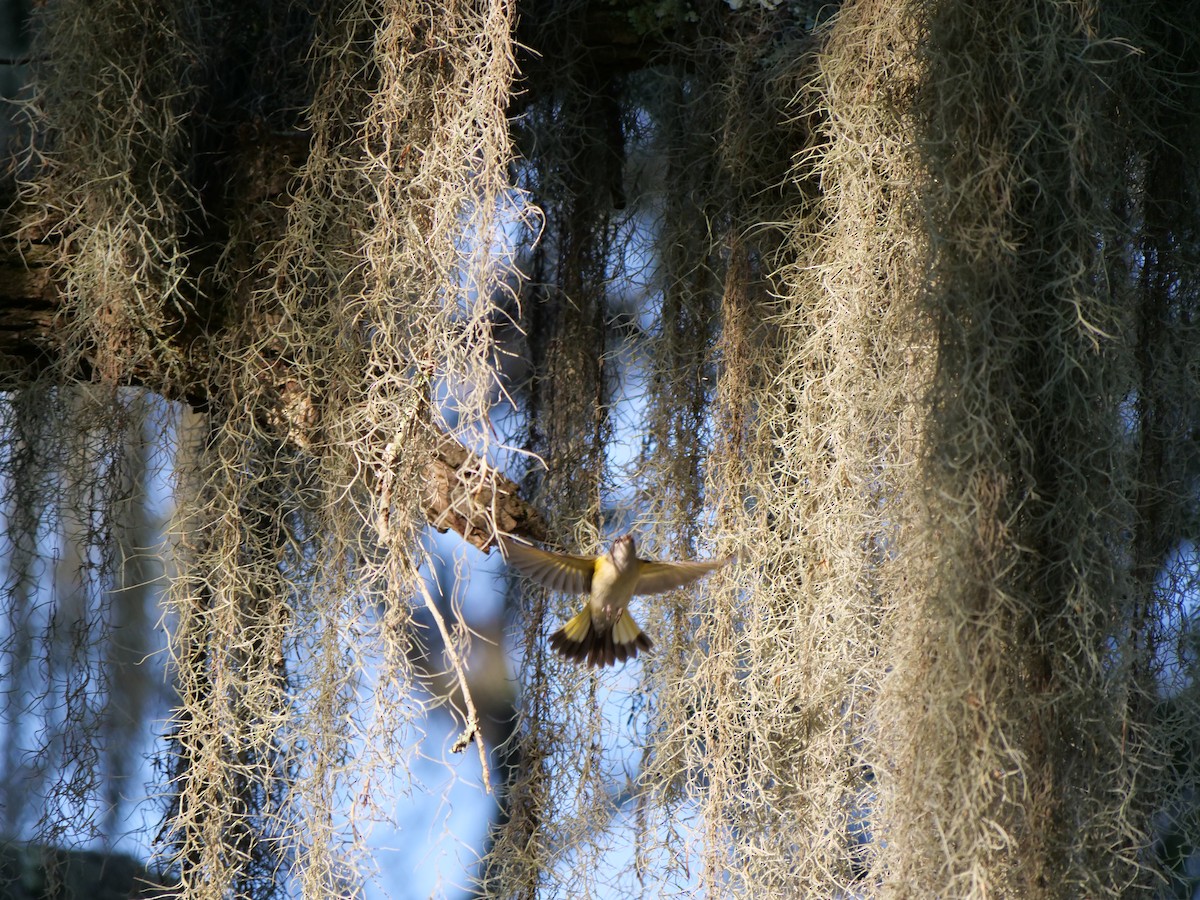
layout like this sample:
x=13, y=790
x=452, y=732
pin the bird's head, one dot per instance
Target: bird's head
x=623, y=552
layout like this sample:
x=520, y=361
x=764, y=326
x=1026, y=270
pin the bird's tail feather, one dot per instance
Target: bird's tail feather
x=579, y=639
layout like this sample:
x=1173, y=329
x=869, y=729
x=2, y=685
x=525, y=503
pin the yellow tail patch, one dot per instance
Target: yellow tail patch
x=579, y=639
x=625, y=631
x=578, y=627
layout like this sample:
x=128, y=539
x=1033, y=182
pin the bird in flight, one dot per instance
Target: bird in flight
x=603, y=632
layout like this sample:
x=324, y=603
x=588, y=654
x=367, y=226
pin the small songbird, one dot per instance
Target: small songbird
x=603, y=632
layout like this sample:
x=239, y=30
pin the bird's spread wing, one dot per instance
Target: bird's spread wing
x=557, y=571
x=654, y=577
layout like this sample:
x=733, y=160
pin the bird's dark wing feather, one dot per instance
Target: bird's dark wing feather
x=654, y=577
x=557, y=571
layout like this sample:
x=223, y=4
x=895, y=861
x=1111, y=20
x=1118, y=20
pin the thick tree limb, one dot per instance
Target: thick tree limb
x=462, y=493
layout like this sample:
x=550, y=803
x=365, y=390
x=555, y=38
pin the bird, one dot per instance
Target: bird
x=603, y=632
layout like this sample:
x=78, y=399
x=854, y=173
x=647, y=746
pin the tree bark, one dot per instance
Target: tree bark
x=462, y=491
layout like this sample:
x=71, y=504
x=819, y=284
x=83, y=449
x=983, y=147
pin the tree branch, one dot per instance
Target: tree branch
x=463, y=491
